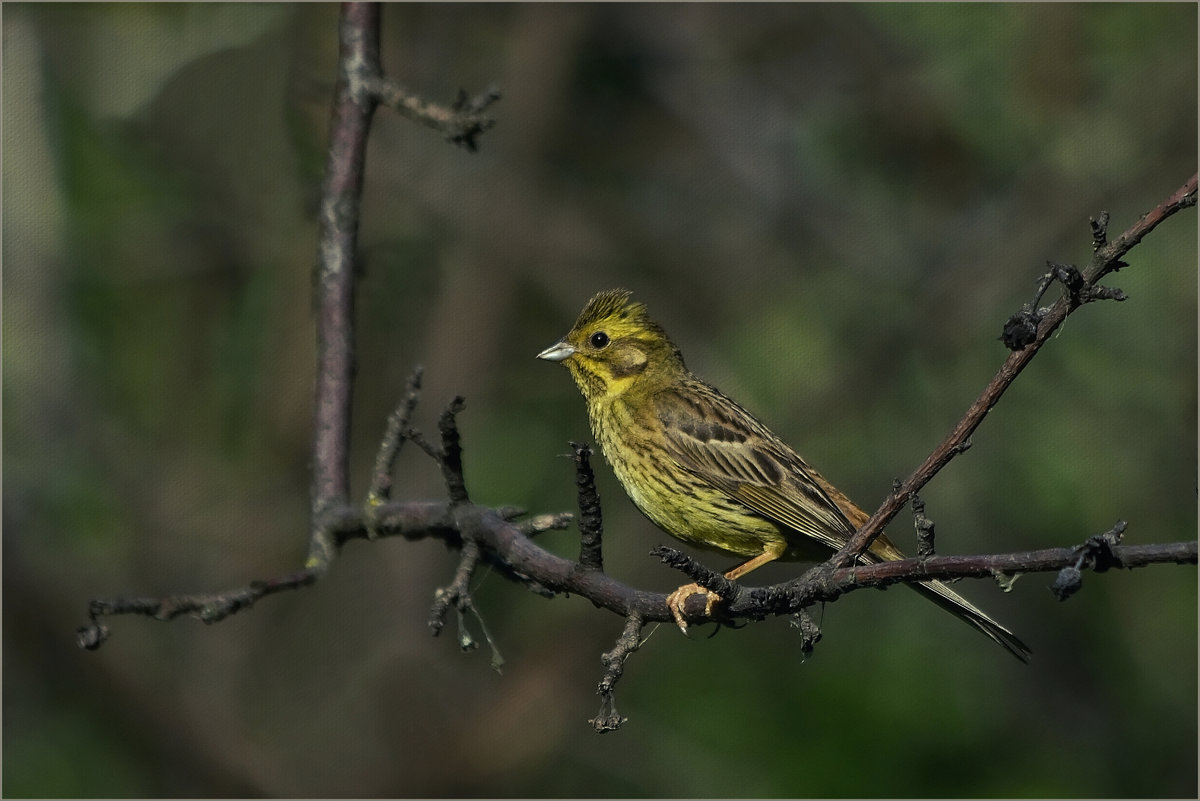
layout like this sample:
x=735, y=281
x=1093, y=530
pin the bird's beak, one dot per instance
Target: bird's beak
x=557, y=352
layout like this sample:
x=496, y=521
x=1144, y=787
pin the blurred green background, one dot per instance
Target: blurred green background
x=831, y=208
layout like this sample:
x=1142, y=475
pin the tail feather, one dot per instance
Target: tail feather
x=883, y=550
x=972, y=615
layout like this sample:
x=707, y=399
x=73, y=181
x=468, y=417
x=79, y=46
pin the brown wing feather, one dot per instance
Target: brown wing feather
x=726, y=446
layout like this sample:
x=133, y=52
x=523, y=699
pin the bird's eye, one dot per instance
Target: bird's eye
x=599, y=340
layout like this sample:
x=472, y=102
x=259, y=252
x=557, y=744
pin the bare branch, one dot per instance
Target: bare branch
x=460, y=123
x=457, y=595
x=506, y=543
x=394, y=436
x=1105, y=260
x=591, y=523
x=333, y=288
x=355, y=100
x=608, y=719
x=924, y=527
x=451, y=453
x=206, y=607
x=826, y=584
x=710, y=580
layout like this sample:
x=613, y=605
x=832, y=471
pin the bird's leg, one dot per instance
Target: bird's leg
x=677, y=599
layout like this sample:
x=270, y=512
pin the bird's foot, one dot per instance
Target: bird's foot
x=677, y=599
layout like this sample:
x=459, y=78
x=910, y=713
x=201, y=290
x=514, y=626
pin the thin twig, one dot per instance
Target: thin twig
x=460, y=123
x=394, y=436
x=608, y=719
x=206, y=607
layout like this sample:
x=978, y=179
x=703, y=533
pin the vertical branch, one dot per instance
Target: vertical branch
x=608, y=719
x=333, y=289
x=590, y=520
x=451, y=453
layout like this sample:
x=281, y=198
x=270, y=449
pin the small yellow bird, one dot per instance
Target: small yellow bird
x=705, y=470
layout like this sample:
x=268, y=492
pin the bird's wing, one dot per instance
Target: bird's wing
x=723, y=444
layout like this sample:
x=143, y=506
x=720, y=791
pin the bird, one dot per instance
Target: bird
x=704, y=469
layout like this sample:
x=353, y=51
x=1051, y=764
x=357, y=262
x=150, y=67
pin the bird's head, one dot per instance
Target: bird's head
x=615, y=347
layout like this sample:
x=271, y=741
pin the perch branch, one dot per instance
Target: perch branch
x=509, y=544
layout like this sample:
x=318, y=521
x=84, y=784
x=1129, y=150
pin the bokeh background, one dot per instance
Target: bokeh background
x=831, y=208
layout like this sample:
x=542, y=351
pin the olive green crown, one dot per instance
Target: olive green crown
x=622, y=316
x=612, y=304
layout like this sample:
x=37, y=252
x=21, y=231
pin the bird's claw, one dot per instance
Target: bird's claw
x=677, y=599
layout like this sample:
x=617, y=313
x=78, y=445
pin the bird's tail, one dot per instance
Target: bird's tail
x=972, y=615
x=883, y=550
